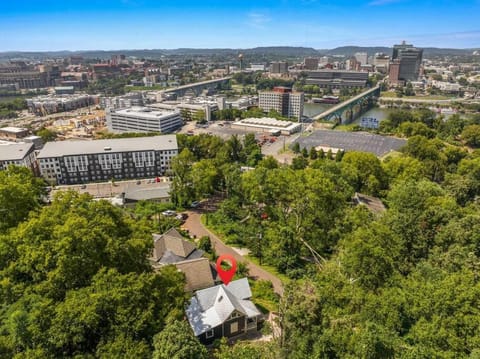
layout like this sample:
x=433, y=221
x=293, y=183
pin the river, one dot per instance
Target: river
x=313, y=109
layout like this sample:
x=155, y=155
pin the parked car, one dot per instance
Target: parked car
x=195, y=204
x=169, y=213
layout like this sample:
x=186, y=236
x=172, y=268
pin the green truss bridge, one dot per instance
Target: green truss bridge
x=346, y=111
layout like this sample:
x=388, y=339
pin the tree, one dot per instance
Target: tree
x=242, y=350
x=471, y=135
x=370, y=255
x=296, y=147
x=76, y=281
x=205, y=244
x=367, y=170
x=199, y=116
x=177, y=341
x=20, y=193
x=46, y=134
x=182, y=190
x=304, y=152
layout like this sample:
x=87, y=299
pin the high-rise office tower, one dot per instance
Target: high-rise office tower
x=409, y=60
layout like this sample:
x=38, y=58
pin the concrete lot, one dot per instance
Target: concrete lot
x=352, y=141
x=224, y=131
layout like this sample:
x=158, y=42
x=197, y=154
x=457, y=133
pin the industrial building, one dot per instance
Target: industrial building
x=282, y=100
x=143, y=119
x=268, y=125
x=13, y=133
x=337, y=79
x=74, y=162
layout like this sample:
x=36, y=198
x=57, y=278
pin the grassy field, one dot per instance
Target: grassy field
x=391, y=94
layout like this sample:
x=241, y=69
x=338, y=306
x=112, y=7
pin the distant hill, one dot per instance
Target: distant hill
x=269, y=52
x=287, y=51
x=351, y=50
x=427, y=51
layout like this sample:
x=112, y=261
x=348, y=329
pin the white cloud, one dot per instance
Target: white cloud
x=258, y=20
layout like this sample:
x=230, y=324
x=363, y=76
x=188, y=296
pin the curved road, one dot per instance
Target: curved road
x=196, y=227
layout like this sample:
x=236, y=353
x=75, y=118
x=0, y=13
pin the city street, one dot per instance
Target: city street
x=196, y=227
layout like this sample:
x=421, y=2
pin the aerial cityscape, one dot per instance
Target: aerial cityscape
x=285, y=179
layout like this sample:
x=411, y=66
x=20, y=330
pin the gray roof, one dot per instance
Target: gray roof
x=198, y=273
x=15, y=151
x=374, y=204
x=172, y=245
x=148, y=193
x=72, y=148
x=171, y=258
x=213, y=306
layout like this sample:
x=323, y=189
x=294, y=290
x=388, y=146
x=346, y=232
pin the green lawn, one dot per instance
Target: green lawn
x=269, y=269
x=388, y=94
x=391, y=94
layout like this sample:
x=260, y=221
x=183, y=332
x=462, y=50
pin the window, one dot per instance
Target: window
x=209, y=333
x=74, y=162
x=110, y=160
x=234, y=327
x=144, y=159
x=234, y=315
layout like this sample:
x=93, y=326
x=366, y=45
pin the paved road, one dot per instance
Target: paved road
x=195, y=227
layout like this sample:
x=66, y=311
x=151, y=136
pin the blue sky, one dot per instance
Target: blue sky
x=28, y=25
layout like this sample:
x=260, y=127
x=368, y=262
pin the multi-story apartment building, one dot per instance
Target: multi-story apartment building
x=48, y=104
x=282, y=100
x=73, y=162
x=128, y=100
x=143, y=119
x=19, y=154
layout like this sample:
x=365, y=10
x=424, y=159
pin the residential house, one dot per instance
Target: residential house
x=171, y=248
x=223, y=311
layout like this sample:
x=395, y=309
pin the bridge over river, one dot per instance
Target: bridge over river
x=197, y=87
x=346, y=110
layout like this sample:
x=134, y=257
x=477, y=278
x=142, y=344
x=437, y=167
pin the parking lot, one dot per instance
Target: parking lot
x=109, y=189
x=352, y=141
x=270, y=145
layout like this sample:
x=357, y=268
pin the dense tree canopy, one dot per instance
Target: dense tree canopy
x=75, y=281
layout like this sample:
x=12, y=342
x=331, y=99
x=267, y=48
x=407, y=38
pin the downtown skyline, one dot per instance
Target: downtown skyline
x=54, y=25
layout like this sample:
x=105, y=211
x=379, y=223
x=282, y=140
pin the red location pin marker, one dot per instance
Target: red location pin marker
x=226, y=275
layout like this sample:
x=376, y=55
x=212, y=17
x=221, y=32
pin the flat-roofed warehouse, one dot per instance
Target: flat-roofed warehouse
x=267, y=124
x=13, y=133
x=74, y=162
